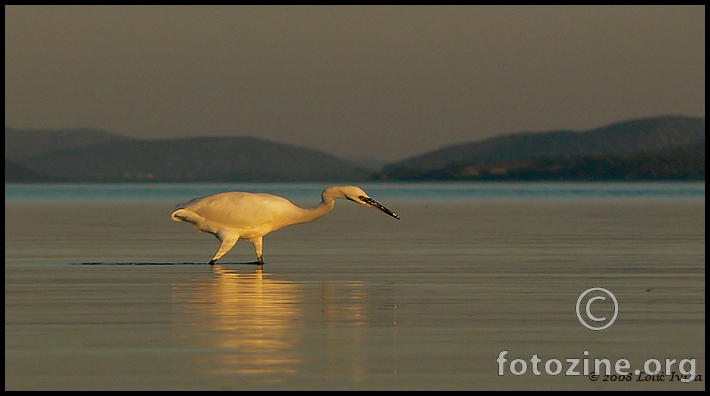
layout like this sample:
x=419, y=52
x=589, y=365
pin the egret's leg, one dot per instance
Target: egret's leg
x=258, y=248
x=227, y=245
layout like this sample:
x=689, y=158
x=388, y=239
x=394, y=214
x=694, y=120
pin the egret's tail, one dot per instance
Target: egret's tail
x=186, y=215
x=193, y=218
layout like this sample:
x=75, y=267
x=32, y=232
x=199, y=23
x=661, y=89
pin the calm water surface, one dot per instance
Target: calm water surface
x=104, y=291
x=311, y=192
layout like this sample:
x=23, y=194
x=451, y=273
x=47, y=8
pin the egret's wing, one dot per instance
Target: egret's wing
x=238, y=210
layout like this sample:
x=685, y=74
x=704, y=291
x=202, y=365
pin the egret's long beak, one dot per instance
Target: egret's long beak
x=378, y=205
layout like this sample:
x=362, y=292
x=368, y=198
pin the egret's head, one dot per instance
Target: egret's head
x=357, y=194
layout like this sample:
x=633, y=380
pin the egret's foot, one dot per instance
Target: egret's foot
x=212, y=262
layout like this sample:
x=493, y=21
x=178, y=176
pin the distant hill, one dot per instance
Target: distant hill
x=18, y=173
x=22, y=144
x=659, y=148
x=569, y=155
x=686, y=163
x=206, y=159
x=629, y=137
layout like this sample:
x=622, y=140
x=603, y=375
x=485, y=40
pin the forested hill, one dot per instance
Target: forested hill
x=667, y=148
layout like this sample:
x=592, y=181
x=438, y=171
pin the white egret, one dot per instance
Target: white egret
x=231, y=216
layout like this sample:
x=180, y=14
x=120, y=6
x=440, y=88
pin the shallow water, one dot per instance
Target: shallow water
x=104, y=295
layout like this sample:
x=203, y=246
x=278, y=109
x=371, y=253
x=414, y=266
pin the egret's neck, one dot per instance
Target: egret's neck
x=310, y=214
x=327, y=204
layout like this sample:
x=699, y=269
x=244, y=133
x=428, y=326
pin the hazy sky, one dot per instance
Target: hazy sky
x=383, y=82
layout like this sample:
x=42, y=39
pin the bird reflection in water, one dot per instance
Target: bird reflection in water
x=245, y=322
x=248, y=319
